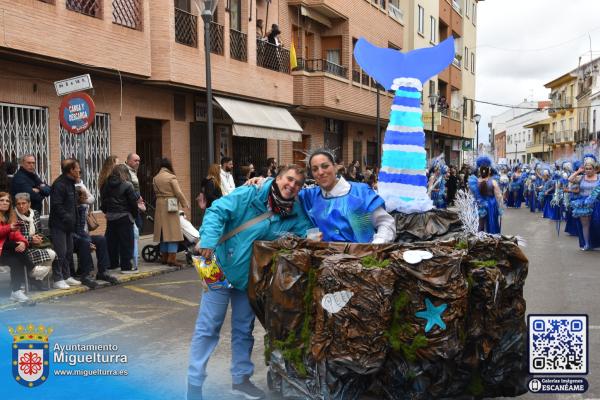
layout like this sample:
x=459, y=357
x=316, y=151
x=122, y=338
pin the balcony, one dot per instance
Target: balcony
x=457, y=62
x=217, y=38
x=561, y=105
x=186, y=28
x=319, y=65
x=238, y=45
x=395, y=13
x=272, y=57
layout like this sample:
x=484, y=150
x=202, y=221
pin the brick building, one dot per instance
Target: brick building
x=146, y=60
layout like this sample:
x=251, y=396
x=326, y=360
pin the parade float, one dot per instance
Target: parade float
x=439, y=313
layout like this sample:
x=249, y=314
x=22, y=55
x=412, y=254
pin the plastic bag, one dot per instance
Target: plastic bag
x=211, y=273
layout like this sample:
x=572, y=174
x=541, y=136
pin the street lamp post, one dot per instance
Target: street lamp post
x=432, y=101
x=477, y=118
x=378, y=130
x=207, y=15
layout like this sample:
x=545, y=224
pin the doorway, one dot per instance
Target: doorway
x=148, y=145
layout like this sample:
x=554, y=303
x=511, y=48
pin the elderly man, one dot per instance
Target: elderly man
x=63, y=222
x=229, y=228
x=27, y=181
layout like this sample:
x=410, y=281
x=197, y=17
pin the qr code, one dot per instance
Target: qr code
x=558, y=344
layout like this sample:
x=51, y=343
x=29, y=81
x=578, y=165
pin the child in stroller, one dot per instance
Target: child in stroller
x=151, y=252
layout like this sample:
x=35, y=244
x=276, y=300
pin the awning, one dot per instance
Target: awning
x=261, y=121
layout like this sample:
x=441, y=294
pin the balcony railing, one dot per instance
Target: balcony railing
x=356, y=75
x=216, y=38
x=456, y=6
x=186, y=28
x=396, y=13
x=444, y=111
x=565, y=102
x=319, y=65
x=455, y=114
x=127, y=13
x=272, y=57
x=238, y=45
x=93, y=8
x=457, y=62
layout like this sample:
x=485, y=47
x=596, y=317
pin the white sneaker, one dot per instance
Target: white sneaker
x=72, y=282
x=19, y=296
x=61, y=285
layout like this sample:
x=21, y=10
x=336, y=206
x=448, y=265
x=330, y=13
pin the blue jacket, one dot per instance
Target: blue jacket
x=231, y=211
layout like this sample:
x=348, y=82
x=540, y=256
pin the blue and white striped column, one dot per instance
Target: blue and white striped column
x=402, y=182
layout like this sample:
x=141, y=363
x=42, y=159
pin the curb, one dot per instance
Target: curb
x=123, y=278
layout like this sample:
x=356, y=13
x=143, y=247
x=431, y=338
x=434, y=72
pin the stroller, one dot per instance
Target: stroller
x=151, y=252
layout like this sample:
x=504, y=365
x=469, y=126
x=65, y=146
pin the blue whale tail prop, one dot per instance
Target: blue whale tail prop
x=402, y=181
x=384, y=65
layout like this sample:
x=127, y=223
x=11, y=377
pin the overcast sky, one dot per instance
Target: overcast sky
x=524, y=44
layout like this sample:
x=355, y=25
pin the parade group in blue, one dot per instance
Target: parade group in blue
x=566, y=192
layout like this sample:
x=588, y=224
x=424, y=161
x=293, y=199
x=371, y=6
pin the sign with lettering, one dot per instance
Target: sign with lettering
x=77, y=112
x=75, y=84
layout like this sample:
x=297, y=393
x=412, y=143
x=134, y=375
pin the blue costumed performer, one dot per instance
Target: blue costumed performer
x=587, y=207
x=487, y=194
x=571, y=193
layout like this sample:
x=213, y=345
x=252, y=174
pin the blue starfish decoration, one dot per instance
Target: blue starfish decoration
x=433, y=315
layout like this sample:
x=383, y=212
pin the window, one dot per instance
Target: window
x=127, y=13
x=93, y=8
x=382, y=4
x=96, y=147
x=466, y=58
x=24, y=130
x=473, y=14
x=421, y=21
x=394, y=10
x=235, y=16
x=473, y=63
x=433, y=29
x=467, y=9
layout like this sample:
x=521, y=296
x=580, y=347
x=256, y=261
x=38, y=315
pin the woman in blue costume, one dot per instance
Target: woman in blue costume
x=515, y=189
x=437, y=186
x=551, y=210
x=345, y=211
x=587, y=207
x=487, y=194
x=537, y=183
x=571, y=192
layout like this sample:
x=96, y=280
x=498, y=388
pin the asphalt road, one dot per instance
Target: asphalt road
x=151, y=321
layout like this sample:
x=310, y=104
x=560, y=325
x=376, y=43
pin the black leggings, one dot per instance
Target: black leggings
x=15, y=261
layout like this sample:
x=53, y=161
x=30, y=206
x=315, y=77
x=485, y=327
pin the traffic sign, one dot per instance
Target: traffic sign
x=77, y=112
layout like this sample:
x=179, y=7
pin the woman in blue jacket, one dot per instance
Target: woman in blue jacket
x=275, y=201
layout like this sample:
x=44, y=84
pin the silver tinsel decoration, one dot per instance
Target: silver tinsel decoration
x=468, y=213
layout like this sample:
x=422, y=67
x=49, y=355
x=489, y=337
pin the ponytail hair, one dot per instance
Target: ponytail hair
x=484, y=172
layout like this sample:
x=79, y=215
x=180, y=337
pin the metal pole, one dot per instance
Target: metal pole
x=378, y=129
x=477, y=139
x=207, y=18
x=432, y=135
